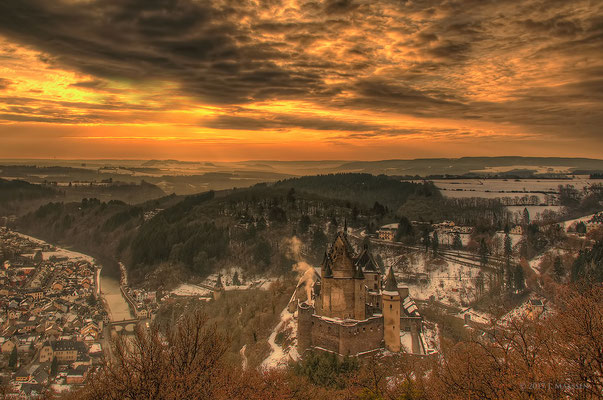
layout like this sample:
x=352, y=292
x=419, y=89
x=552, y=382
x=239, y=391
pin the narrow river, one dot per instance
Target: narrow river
x=118, y=307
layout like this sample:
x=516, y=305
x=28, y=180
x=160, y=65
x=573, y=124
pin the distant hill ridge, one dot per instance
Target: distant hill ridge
x=464, y=165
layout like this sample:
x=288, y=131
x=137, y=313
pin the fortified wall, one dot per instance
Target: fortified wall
x=348, y=337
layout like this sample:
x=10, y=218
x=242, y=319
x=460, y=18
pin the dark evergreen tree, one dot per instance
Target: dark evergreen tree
x=510, y=279
x=262, y=253
x=54, y=366
x=277, y=215
x=319, y=242
x=304, y=224
x=235, y=279
x=519, y=278
x=355, y=213
x=426, y=240
x=405, y=230
x=13, y=358
x=457, y=243
x=483, y=253
x=526, y=216
x=291, y=196
x=558, y=269
x=479, y=283
x=379, y=209
x=261, y=224
x=508, y=246
x=589, y=264
x=380, y=263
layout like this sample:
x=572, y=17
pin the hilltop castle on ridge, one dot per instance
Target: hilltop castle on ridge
x=352, y=310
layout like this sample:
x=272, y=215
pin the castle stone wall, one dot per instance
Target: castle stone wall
x=347, y=338
x=337, y=298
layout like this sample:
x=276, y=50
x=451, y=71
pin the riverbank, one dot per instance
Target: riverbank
x=106, y=285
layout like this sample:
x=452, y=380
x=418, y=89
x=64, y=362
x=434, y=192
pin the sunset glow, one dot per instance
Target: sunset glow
x=346, y=79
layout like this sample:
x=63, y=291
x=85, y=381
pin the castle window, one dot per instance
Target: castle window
x=390, y=306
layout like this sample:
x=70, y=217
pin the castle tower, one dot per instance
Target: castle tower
x=359, y=294
x=304, y=327
x=390, y=298
x=324, y=306
x=341, y=255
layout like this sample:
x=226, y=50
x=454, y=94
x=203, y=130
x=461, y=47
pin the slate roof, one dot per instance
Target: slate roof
x=390, y=281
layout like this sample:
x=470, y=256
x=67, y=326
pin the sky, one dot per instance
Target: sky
x=299, y=79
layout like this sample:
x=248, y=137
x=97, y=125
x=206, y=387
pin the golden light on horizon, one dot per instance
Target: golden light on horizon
x=366, y=80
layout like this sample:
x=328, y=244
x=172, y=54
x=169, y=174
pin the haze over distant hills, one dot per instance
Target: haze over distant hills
x=271, y=169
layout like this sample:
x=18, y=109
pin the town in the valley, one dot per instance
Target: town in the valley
x=55, y=322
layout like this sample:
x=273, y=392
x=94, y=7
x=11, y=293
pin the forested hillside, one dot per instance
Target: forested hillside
x=363, y=188
x=15, y=193
x=16, y=190
x=19, y=197
x=173, y=237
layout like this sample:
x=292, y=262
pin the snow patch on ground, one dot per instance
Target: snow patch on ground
x=450, y=282
x=58, y=252
x=406, y=341
x=187, y=289
x=476, y=316
x=243, y=356
x=431, y=337
x=227, y=276
x=280, y=357
x=571, y=223
x=534, y=263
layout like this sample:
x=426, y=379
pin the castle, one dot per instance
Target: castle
x=352, y=310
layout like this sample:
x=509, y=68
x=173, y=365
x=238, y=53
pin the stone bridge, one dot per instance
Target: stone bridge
x=127, y=325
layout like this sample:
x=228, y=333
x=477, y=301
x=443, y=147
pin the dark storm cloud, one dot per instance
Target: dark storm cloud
x=94, y=84
x=280, y=121
x=199, y=44
x=389, y=95
x=352, y=129
x=535, y=63
x=4, y=83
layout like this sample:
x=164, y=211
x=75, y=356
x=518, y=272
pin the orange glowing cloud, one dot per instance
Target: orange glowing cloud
x=298, y=79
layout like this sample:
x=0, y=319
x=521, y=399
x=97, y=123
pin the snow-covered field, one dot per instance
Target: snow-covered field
x=187, y=289
x=449, y=282
x=58, y=252
x=205, y=288
x=493, y=188
x=533, y=210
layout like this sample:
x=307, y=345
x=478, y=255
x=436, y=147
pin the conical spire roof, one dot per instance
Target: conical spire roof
x=390, y=281
x=326, y=264
x=358, y=274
